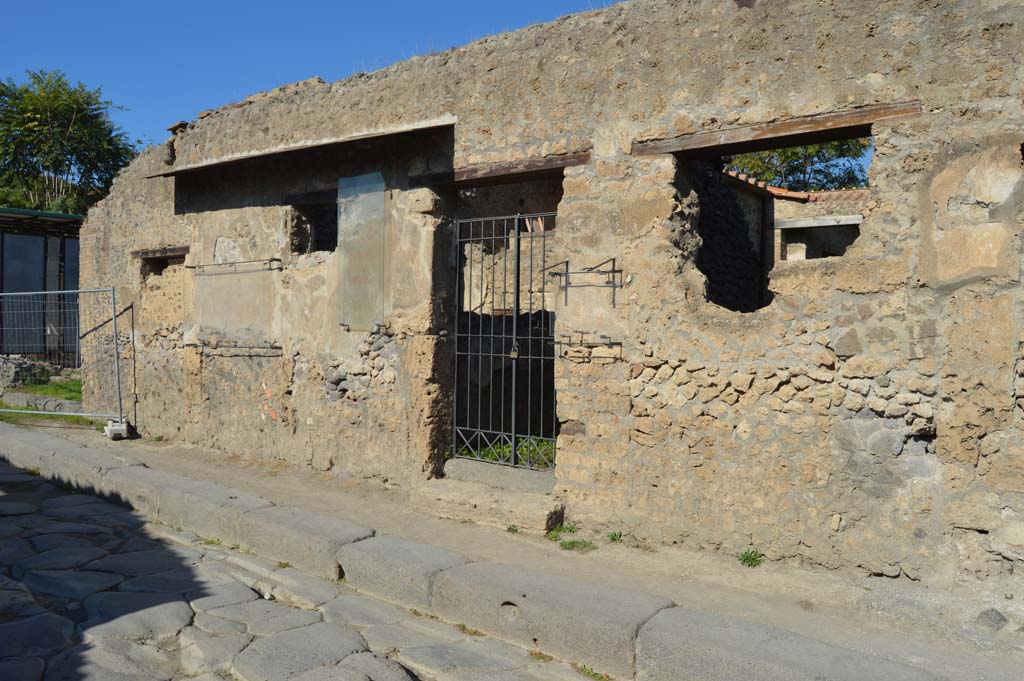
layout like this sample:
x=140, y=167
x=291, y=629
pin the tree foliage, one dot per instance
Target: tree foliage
x=59, y=149
x=812, y=167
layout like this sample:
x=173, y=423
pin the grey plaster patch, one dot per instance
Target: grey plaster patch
x=284, y=655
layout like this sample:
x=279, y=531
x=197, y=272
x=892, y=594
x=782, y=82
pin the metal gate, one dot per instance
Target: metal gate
x=504, y=406
x=59, y=354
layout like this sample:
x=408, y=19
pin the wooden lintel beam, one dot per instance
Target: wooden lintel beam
x=167, y=252
x=762, y=135
x=510, y=170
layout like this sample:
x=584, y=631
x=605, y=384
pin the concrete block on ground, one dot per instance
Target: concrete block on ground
x=396, y=569
x=309, y=541
x=502, y=477
x=592, y=624
x=717, y=648
x=485, y=505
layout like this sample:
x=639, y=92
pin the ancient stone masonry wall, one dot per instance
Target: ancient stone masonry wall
x=869, y=417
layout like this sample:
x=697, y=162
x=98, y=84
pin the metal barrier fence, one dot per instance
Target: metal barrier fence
x=60, y=354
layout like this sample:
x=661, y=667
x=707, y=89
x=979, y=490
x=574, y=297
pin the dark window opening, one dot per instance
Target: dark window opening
x=155, y=267
x=757, y=208
x=314, y=228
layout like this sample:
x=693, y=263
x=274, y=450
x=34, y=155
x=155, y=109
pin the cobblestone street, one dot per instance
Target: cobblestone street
x=90, y=591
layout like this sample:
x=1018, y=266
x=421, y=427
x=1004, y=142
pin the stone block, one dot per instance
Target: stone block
x=478, y=503
x=716, y=648
x=307, y=540
x=588, y=623
x=206, y=508
x=396, y=569
x=285, y=655
x=501, y=477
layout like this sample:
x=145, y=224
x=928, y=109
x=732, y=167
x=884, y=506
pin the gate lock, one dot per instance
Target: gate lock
x=515, y=351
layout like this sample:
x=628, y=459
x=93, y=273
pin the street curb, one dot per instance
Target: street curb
x=626, y=633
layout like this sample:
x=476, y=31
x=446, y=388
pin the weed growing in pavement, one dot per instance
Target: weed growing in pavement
x=556, y=532
x=590, y=673
x=751, y=558
x=578, y=545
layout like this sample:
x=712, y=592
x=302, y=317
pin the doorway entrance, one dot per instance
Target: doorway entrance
x=504, y=402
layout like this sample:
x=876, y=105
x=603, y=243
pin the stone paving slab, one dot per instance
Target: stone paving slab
x=711, y=648
x=309, y=541
x=205, y=652
x=76, y=584
x=284, y=655
x=40, y=634
x=591, y=623
x=363, y=611
x=266, y=618
x=22, y=669
x=397, y=569
x=145, y=562
x=135, y=615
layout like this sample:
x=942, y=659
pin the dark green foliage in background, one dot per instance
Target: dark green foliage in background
x=812, y=167
x=59, y=149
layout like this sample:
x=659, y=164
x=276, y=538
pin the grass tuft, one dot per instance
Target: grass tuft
x=578, y=545
x=512, y=529
x=30, y=416
x=468, y=631
x=556, y=532
x=750, y=558
x=586, y=671
x=70, y=389
x=614, y=537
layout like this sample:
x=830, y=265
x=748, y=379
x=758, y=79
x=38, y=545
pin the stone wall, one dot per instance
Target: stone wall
x=869, y=417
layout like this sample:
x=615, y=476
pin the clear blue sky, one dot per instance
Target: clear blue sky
x=167, y=61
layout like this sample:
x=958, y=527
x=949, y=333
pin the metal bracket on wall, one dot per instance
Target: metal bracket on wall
x=607, y=268
x=268, y=264
x=585, y=339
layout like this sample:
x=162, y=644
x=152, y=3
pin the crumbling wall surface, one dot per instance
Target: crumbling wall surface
x=869, y=417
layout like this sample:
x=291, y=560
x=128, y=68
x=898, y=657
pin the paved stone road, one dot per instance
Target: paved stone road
x=90, y=591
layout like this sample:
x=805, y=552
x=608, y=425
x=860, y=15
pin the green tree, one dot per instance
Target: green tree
x=59, y=149
x=812, y=167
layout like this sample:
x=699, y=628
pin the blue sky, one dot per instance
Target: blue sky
x=166, y=62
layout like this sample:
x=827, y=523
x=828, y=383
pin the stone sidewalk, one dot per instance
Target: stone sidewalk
x=624, y=633
x=91, y=591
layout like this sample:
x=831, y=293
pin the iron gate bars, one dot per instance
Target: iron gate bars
x=49, y=342
x=504, y=408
